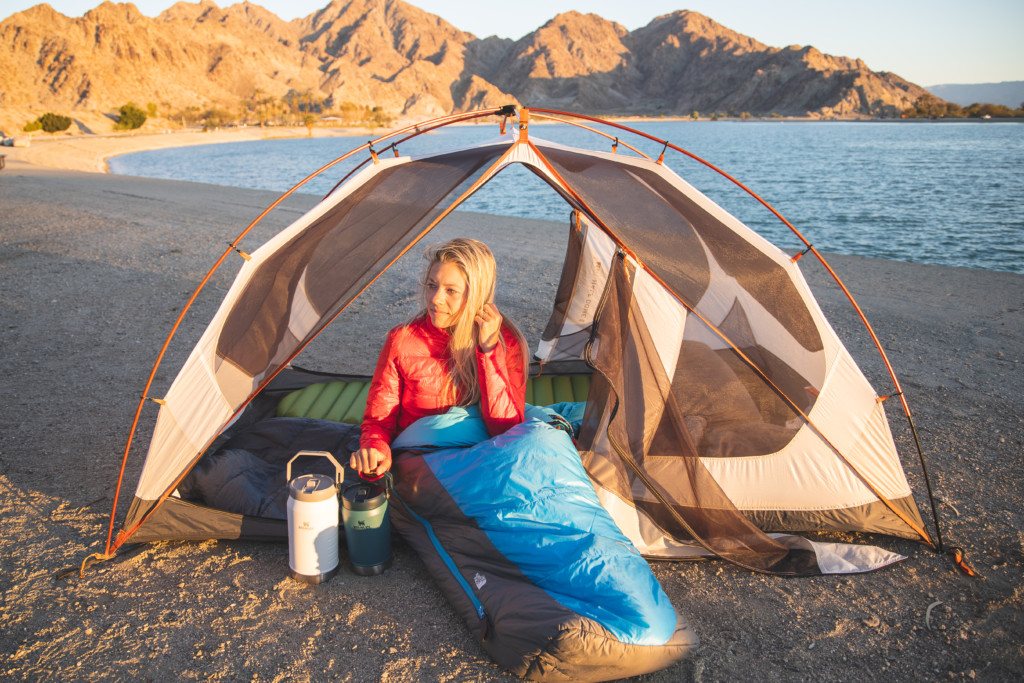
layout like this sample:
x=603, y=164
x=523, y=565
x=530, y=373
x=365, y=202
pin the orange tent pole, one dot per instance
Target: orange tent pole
x=792, y=404
x=817, y=254
x=233, y=246
x=266, y=381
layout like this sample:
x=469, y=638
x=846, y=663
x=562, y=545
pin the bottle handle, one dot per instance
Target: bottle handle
x=339, y=472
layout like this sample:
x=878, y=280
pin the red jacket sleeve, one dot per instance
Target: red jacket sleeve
x=380, y=421
x=502, y=384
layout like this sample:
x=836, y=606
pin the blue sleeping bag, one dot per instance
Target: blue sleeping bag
x=511, y=529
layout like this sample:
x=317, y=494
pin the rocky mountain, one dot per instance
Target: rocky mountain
x=192, y=53
x=391, y=54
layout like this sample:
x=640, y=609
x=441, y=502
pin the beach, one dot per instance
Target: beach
x=94, y=269
x=90, y=152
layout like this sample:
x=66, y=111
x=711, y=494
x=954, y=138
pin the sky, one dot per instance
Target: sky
x=928, y=42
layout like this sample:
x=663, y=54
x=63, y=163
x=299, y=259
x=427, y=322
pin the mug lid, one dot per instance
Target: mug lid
x=364, y=496
x=312, y=488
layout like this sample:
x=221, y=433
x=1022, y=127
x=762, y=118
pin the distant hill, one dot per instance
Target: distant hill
x=1007, y=93
x=394, y=55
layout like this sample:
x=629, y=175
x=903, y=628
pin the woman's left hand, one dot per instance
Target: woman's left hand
x=488, y=327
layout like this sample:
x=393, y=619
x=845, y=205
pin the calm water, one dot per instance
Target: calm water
x=940, y=193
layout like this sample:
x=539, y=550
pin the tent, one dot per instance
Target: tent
x=722, y=413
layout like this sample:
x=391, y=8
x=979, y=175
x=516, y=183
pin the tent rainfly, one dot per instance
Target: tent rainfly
x=723, y=410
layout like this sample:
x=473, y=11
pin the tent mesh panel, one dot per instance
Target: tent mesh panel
x=648, y=435
x=340, y=253
x=669, y=232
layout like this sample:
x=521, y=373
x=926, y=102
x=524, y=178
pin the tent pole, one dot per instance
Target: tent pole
x=233, y=246
x=928, y=486
x=821, y=259
x=792, y=404
x=174, y=328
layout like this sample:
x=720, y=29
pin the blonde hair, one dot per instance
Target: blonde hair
x=476, y=263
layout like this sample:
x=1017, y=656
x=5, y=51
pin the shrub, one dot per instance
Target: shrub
x=54, y=123
x=131, y=117
x=980, y=110
x=930, y=107
x=379, y=118
x=49, y=122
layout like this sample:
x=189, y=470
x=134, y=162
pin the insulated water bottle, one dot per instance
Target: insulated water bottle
x=367, y=528
x=313, y=522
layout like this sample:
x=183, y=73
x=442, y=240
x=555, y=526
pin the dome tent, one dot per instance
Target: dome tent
x=722, y=405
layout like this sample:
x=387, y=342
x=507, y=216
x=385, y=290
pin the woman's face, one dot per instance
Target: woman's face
x=446, y=294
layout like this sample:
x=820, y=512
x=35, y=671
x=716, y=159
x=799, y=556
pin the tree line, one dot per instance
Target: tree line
x=259, y=109
x=292, y=109
x=931, y=107
x=306, y=109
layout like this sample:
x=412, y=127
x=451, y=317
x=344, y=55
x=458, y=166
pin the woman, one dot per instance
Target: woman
x=457, y=351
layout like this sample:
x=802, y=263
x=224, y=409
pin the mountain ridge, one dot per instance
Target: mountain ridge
x=392, y=54
x=1006, y=93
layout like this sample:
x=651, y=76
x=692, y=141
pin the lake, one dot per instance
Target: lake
x=948, y=193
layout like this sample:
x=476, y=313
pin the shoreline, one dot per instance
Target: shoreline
x=92, y=152
x=94, y=269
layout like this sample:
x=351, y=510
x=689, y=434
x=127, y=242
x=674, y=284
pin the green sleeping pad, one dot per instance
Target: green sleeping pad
x=341, y=401
x=336, y=401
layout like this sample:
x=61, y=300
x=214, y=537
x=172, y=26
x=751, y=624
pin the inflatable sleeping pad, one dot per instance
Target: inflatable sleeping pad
x=345, y=401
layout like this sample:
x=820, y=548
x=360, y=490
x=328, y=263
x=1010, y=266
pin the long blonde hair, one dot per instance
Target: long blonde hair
x=476, y=263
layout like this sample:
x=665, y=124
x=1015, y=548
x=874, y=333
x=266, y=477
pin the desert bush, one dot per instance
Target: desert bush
x=49, y=122
x=54, y=123
x=131, y=117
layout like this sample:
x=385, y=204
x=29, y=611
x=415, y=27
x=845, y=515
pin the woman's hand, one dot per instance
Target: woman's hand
x=488, y=327
x=369, y=461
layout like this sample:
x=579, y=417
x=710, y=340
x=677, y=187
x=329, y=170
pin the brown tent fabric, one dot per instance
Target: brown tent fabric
x=340, y=252
x=645, y=425
x=677, y=412
x=666, y=230
x=291, y=290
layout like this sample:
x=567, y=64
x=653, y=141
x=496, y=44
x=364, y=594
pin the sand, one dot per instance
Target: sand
x=93, y=270
x=91, y=152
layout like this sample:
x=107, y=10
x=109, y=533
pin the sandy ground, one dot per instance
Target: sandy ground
x=93, y=271
x=90, y=152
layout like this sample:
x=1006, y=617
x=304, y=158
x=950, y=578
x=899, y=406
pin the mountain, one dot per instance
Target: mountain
x=394, y=55
x=683, y=62
x=190, y=54
x=1007, y=93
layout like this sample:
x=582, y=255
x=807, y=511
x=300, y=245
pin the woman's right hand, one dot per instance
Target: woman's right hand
x=370, y=461
x=488, y=327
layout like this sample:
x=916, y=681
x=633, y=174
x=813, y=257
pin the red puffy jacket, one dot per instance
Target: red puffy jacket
x=410, y=376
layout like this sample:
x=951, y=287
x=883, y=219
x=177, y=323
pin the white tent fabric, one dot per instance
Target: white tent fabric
x=208, y=391
x=838, y=459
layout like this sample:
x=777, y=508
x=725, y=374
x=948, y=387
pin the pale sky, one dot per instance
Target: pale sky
x=928, y=42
